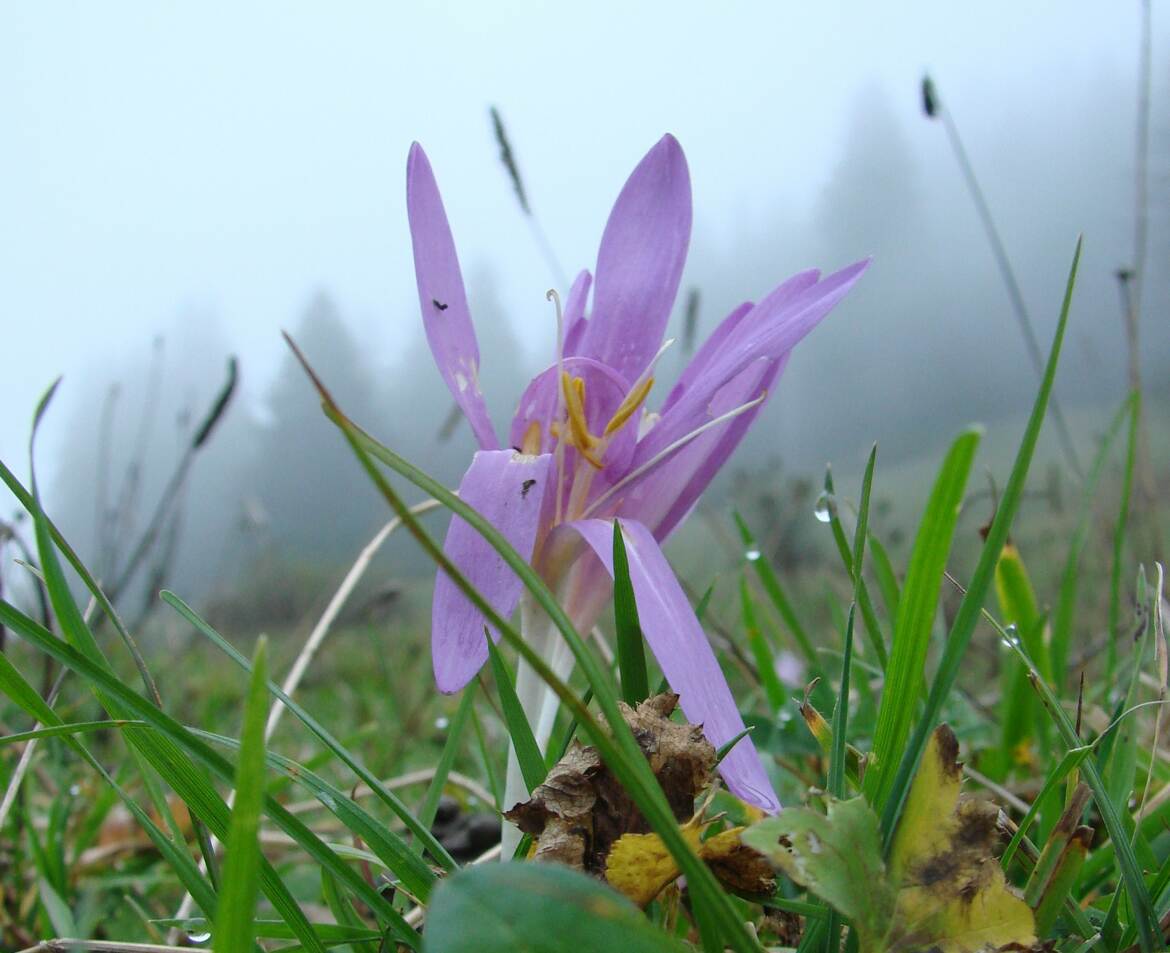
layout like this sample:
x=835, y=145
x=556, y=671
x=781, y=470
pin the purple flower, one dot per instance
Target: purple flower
x=584, y=450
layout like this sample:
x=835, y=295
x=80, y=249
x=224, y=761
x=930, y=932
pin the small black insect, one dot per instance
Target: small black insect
x=525, y=487
x=438, y=304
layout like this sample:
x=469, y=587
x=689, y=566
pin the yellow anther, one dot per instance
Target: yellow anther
x=579, y=435
x=574, y=390
x=530, y=445
x=629, y=406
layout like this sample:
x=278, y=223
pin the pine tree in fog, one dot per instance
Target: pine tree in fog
x=309, y=493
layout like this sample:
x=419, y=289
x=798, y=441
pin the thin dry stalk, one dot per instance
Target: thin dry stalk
x=421, y=776
x=66, y=945
x=321, y=629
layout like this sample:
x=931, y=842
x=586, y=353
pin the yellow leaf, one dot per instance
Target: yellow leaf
x=640, y=866
x=992, y=918
x=952, y=895
x=927, y=823
x=942, y=889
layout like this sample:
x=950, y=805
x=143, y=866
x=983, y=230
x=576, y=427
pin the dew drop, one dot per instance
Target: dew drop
x=442, y=722
x=74, y=790
x=1009, y=639
x=826, y=507
x=752, y=555
x=198, y=937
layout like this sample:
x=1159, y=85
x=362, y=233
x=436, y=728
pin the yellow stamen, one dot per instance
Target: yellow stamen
x=530, y=445
x=580, y=437
x=629, y=406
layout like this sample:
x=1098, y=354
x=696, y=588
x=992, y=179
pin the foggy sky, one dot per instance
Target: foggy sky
x=174, y=163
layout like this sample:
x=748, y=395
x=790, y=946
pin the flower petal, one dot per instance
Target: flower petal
x=509, y=489
x=665, y=495
x=770, y=330
x=684, y=654
x=640, y=262
x=707, y=352
x=713, y=346
x=575, y=320
x=442, y=298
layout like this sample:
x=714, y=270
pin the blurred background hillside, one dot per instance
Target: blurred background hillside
x=180, y=183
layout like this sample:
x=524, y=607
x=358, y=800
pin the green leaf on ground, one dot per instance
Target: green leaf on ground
x=539, y=908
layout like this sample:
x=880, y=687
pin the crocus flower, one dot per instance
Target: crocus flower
x=584, y=450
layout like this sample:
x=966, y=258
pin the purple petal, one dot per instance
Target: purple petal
x=605, y=390
x=684, y=654
x=640, y=262
x=575, y=320
x=508, y=489
x=717, y=340
x=770, y=330
x=442, y=298
x=665, y=495
x=707, y=352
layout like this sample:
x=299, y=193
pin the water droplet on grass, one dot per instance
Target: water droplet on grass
x=752, y=555
x=442, y=722
x=202, y=937
x=826, y=507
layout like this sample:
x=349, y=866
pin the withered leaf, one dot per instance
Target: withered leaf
x=581, y=809
x=582, y=817
x=942, y=889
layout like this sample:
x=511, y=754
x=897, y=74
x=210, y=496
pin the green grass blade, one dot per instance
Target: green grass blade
x=704, y=602
x=776, y=593
x=241, y=868
x=388, y=797
x=516, y=722
x=887, y=578
x=631, y=653
x=73, y=728
x=1070, y=761
x=339, y=904
x=332, y=934
x=558, y=745
x=45, y=532
x=838, y=761
x=837, y=758
x=873, y=628
x=761, y=651
x=836, y=774
x=494, y=783
x=861, y=531
x=1119, y=760
x=430, y=804
x=1064, y=614
x=1020, y=722
x=1115, y=572
x=56, y=909
x=916, y=610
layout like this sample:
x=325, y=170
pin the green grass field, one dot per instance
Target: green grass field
x=1028, y=621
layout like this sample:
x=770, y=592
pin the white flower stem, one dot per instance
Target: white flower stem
x=538, y=701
